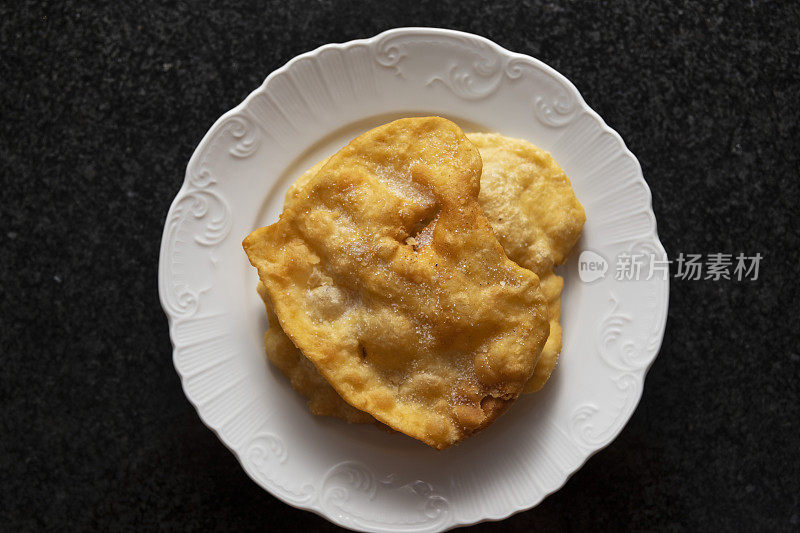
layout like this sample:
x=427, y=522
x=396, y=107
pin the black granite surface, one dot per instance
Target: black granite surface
x=101, y=105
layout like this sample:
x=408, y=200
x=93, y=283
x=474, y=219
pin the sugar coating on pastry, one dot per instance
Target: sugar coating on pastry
x=302, y=374
x=530, y=203
x=533, y=210
x=387, y=276
x=323, y=399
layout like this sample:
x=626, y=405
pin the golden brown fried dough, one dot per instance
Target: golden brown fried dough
x=303, y=375
x=385, y=273
x=322, y=397
x=516, y=174
x=530, y=203
x=551, y=285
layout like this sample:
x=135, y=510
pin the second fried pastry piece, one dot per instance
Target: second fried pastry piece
x=530, y=203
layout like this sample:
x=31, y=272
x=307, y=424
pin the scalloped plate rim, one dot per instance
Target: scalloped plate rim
x=581, y=105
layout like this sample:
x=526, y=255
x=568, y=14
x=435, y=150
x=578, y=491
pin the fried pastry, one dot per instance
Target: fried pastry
x=387, y=276
x=515, y=174
x=507, y=160
x=551, y=285
x=528, y=200
x=303, y=375
x=533, y=210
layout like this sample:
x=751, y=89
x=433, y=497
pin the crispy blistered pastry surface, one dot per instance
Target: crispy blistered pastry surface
x=304, y=377
x=496, y=152
x=530, y=203
x=385, y=273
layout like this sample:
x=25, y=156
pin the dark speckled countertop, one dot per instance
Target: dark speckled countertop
x=101, y=107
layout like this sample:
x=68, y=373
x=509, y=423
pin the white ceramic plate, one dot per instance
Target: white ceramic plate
x=360, y=477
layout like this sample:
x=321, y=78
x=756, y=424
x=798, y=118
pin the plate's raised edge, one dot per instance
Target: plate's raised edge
x=422, y=31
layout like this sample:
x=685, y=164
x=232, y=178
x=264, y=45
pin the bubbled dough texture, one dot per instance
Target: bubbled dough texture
x=509, y=166
x=533, y=210
x=385, y=273
x=303, y=375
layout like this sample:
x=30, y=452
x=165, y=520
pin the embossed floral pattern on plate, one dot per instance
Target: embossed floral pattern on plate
x=359, y=477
